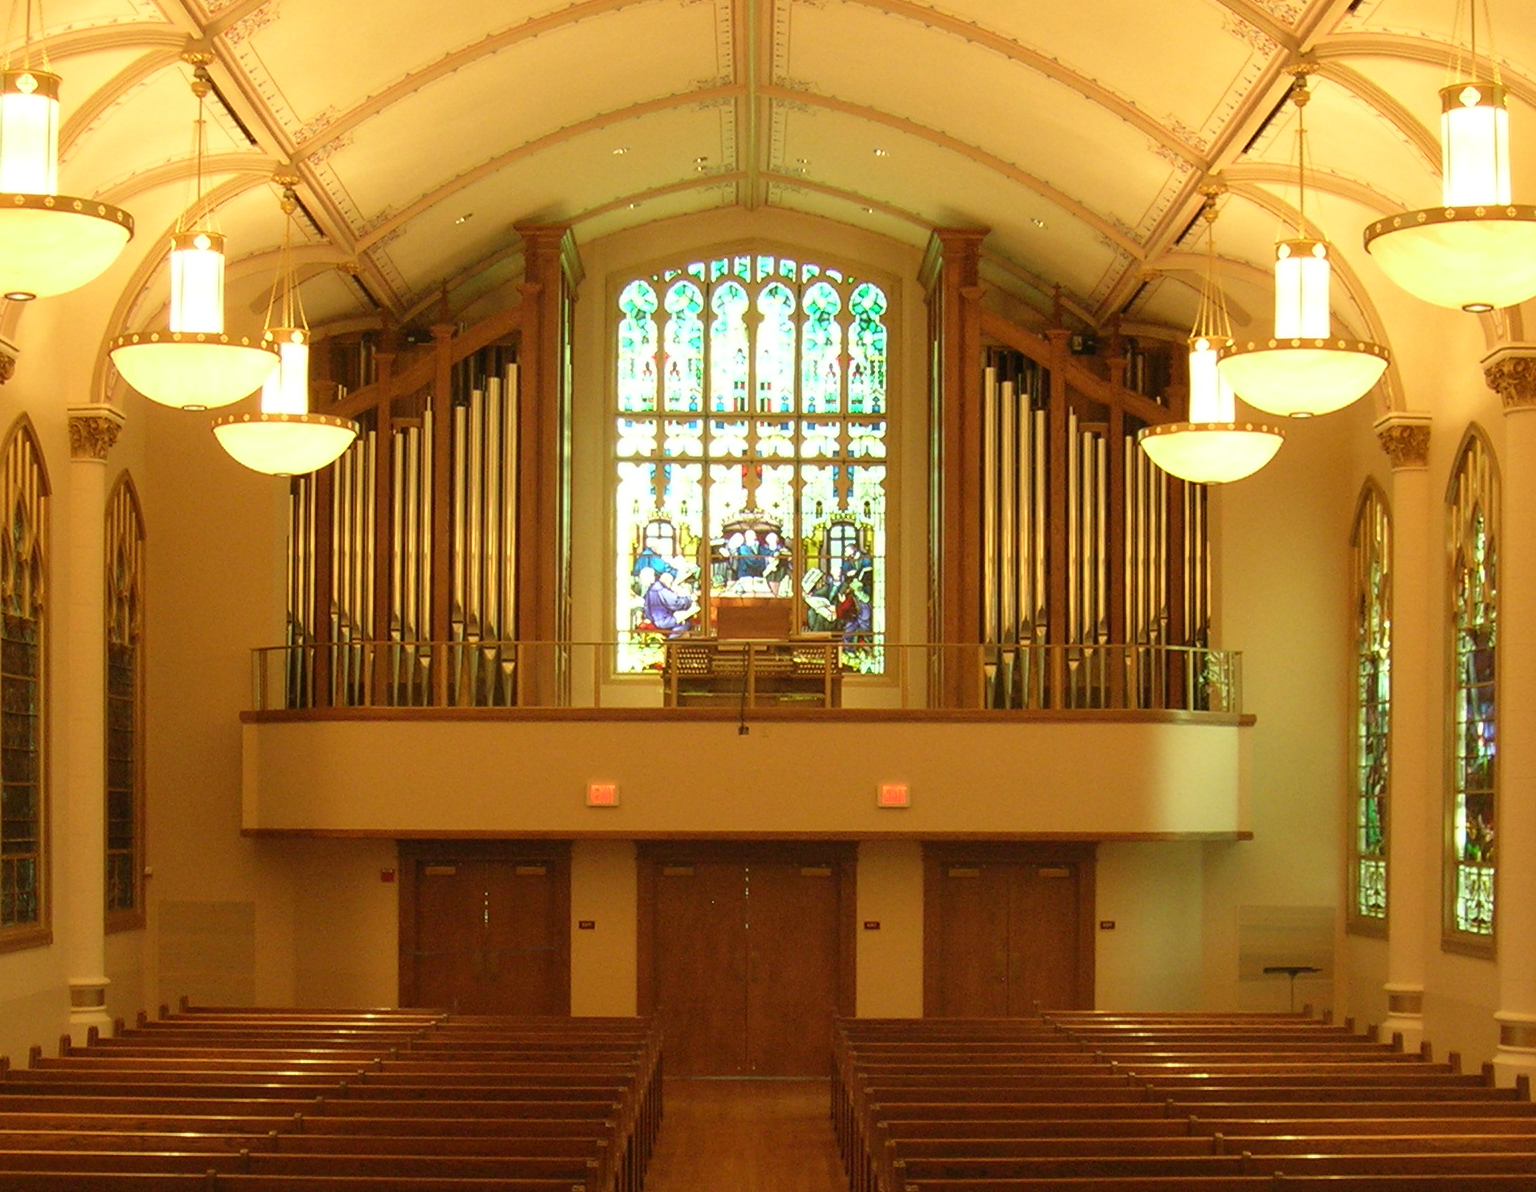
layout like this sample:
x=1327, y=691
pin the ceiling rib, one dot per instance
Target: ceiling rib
x=1421, y=50
x=1424, y=142
x=104, y=97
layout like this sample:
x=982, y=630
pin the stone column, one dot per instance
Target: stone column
x=82, y=801
x=1511, y=373
x=1413, y=810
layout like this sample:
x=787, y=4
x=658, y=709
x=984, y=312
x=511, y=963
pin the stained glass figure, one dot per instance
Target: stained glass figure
x=1474, y=645
x=1372, y=590
x=776, y=491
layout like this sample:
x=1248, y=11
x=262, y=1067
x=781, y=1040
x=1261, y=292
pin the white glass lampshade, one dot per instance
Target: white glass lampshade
x=29, y=132
x=197, y=282
x=1474, y=145
x=193, y=370
x=284, y=444
x=1298, y=378
x=1302, y=284
x=283, y=438
x=1211, y=448
x=49, y=243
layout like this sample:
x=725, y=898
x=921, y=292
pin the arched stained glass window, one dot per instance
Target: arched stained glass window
x=1372, y=608
x=751, y=447
x=1473, y=502
x=124, y=744
x=23, y=588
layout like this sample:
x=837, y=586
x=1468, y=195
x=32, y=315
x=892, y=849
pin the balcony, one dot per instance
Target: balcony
x=757, y=738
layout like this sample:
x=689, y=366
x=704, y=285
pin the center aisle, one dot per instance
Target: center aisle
x=748, y=1136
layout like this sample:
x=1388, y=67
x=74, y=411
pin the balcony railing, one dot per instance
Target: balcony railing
x=810, y=674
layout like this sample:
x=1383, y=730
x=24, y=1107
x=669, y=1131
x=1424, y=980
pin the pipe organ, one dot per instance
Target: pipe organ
x=362, y=590
x=1084, y=544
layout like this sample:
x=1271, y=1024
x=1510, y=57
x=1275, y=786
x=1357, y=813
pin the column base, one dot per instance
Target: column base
x=1405, y=1015
x=1516, y=1055
x=88, y=1006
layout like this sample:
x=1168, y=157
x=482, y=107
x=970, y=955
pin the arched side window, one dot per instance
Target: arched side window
x=1371, y=603
x=751, y=452
x=23, y=703
x=125, y=712
x=1471, y=867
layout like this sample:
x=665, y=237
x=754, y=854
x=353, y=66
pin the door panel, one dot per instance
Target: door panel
x=1005, y=929
x=1043, y=938
x=745, y=956
x=701, y=967
x=973, y=948
x=792, y=950
x=483, y=930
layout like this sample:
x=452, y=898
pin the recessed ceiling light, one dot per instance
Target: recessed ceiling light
x=882, y=152
x=869, y=211
x=802, y=161
x=1039, y=223
x=465, y=218
x=632, y=206
x=621, y=151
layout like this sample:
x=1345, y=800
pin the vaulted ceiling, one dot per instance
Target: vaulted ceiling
x=1079, y=133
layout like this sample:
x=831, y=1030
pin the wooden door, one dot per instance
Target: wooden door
x=1007, y=929
x=746, y=955
x=485, y=927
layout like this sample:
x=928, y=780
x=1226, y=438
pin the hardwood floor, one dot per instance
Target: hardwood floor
x=746, y=1136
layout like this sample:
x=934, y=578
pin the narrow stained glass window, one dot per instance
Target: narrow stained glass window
x=1474, y=601
x=1372, y=605
x=124, y=630
x=23, y=559
x=776, y=491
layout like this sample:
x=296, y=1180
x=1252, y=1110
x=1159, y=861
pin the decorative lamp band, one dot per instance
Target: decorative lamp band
x=41, y=84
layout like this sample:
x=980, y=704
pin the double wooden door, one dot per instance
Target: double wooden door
x=1008, y=930
x=746, y=956
x=485, y=927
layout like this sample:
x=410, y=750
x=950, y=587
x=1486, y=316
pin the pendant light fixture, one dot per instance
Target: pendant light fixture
x=283, y=438
x=1304, y=369
x=192, y=364
x=49, y=243
x=1212, y=447
x=1476, y=251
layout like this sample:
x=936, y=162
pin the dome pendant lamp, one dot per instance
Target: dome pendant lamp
x=1476, y=251
x=283, y=438
x=192, y=364
x=1304, y=369
x=1212, y=447
x=49, y=243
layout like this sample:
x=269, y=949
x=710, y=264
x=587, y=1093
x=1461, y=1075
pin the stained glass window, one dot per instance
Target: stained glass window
x=1372, y=592
x=751, y=445
x=124, y=628
x=23, y=505
x=1474, y=601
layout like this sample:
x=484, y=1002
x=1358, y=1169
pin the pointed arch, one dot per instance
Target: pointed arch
x=124, y=698
x=1471, y=863
x=24, y=868
x=1371, y=613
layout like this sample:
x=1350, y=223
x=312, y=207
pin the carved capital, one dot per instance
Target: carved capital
x=1405, y=439
x=92, y=432
x=1511, y=373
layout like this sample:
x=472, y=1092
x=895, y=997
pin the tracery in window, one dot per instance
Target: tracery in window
x=124, y=631
x=1372, y=607
x=23, y=587
x=751, y=444
x=1474, y=547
